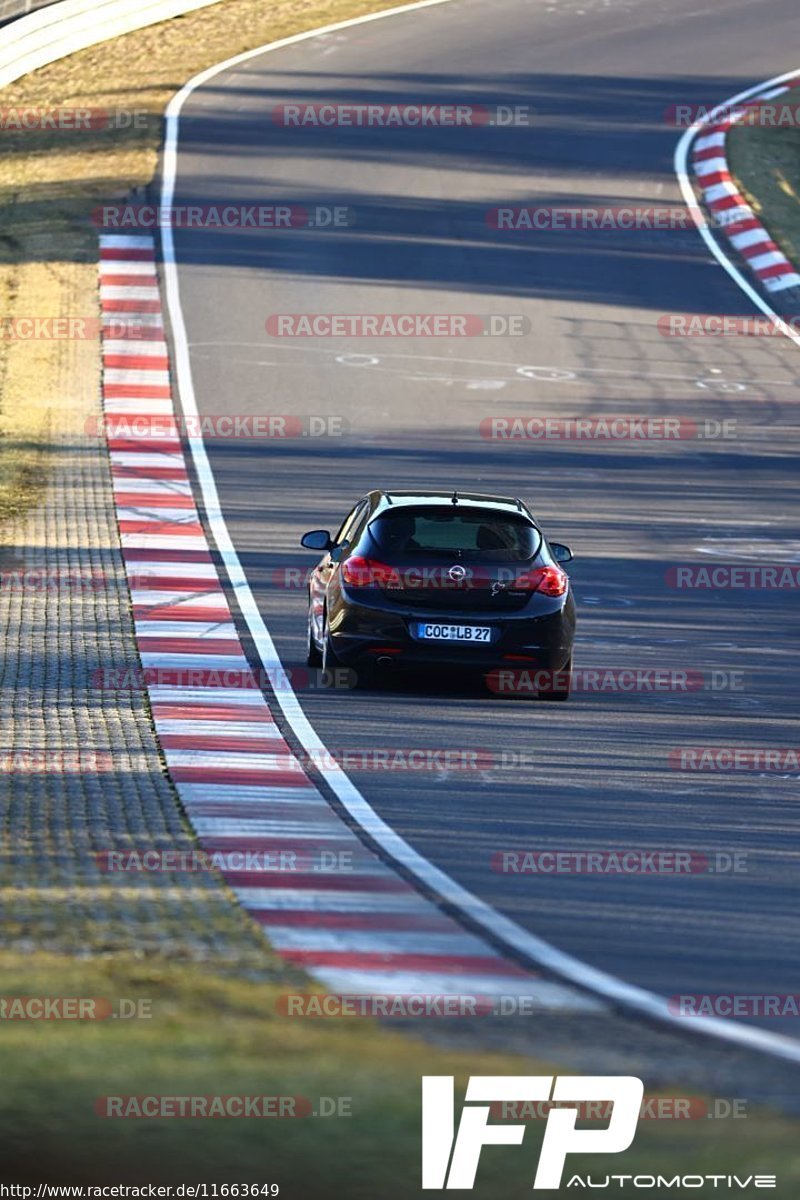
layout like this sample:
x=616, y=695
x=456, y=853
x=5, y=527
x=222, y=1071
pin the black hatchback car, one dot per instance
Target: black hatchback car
x=438, y=579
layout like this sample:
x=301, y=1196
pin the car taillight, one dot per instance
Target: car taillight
x=358, y=571
x=549, y=581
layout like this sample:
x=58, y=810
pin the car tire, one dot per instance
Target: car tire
x=328, y=660
x=313, y=653
x=559, y=695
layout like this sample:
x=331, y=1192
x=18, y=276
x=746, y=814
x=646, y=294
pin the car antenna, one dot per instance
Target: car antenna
x=455, y=497
x=519, y=504
x=389, y=498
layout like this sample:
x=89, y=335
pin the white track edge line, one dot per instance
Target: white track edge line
x=565, y=965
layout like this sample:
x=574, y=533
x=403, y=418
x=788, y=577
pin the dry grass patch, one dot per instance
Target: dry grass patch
x=51, y=179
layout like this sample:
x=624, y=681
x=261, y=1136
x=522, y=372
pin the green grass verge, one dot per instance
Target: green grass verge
x=217, y=1034
x=766, y=163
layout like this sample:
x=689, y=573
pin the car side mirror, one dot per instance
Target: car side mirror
x=561, y=553
x=316, y=539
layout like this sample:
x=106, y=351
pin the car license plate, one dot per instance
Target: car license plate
x=455, y=633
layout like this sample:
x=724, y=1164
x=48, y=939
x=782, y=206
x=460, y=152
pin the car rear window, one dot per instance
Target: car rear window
x=480, y=535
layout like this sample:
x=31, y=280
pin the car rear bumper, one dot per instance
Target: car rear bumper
x=361, y=632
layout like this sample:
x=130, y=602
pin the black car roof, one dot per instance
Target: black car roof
x=405, y=498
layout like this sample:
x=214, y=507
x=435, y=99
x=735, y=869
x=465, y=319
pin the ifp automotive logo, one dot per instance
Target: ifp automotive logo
x=442, y=1148
x=450, y=1158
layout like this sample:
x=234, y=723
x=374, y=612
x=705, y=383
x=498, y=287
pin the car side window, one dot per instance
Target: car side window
x=358, y=523
x=349, y=523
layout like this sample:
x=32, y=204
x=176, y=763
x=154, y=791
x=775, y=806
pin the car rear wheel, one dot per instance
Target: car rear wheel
x=313, y=654
x=561, y=693
x=328, y=659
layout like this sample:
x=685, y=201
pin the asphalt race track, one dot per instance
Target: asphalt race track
x=594, y=774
